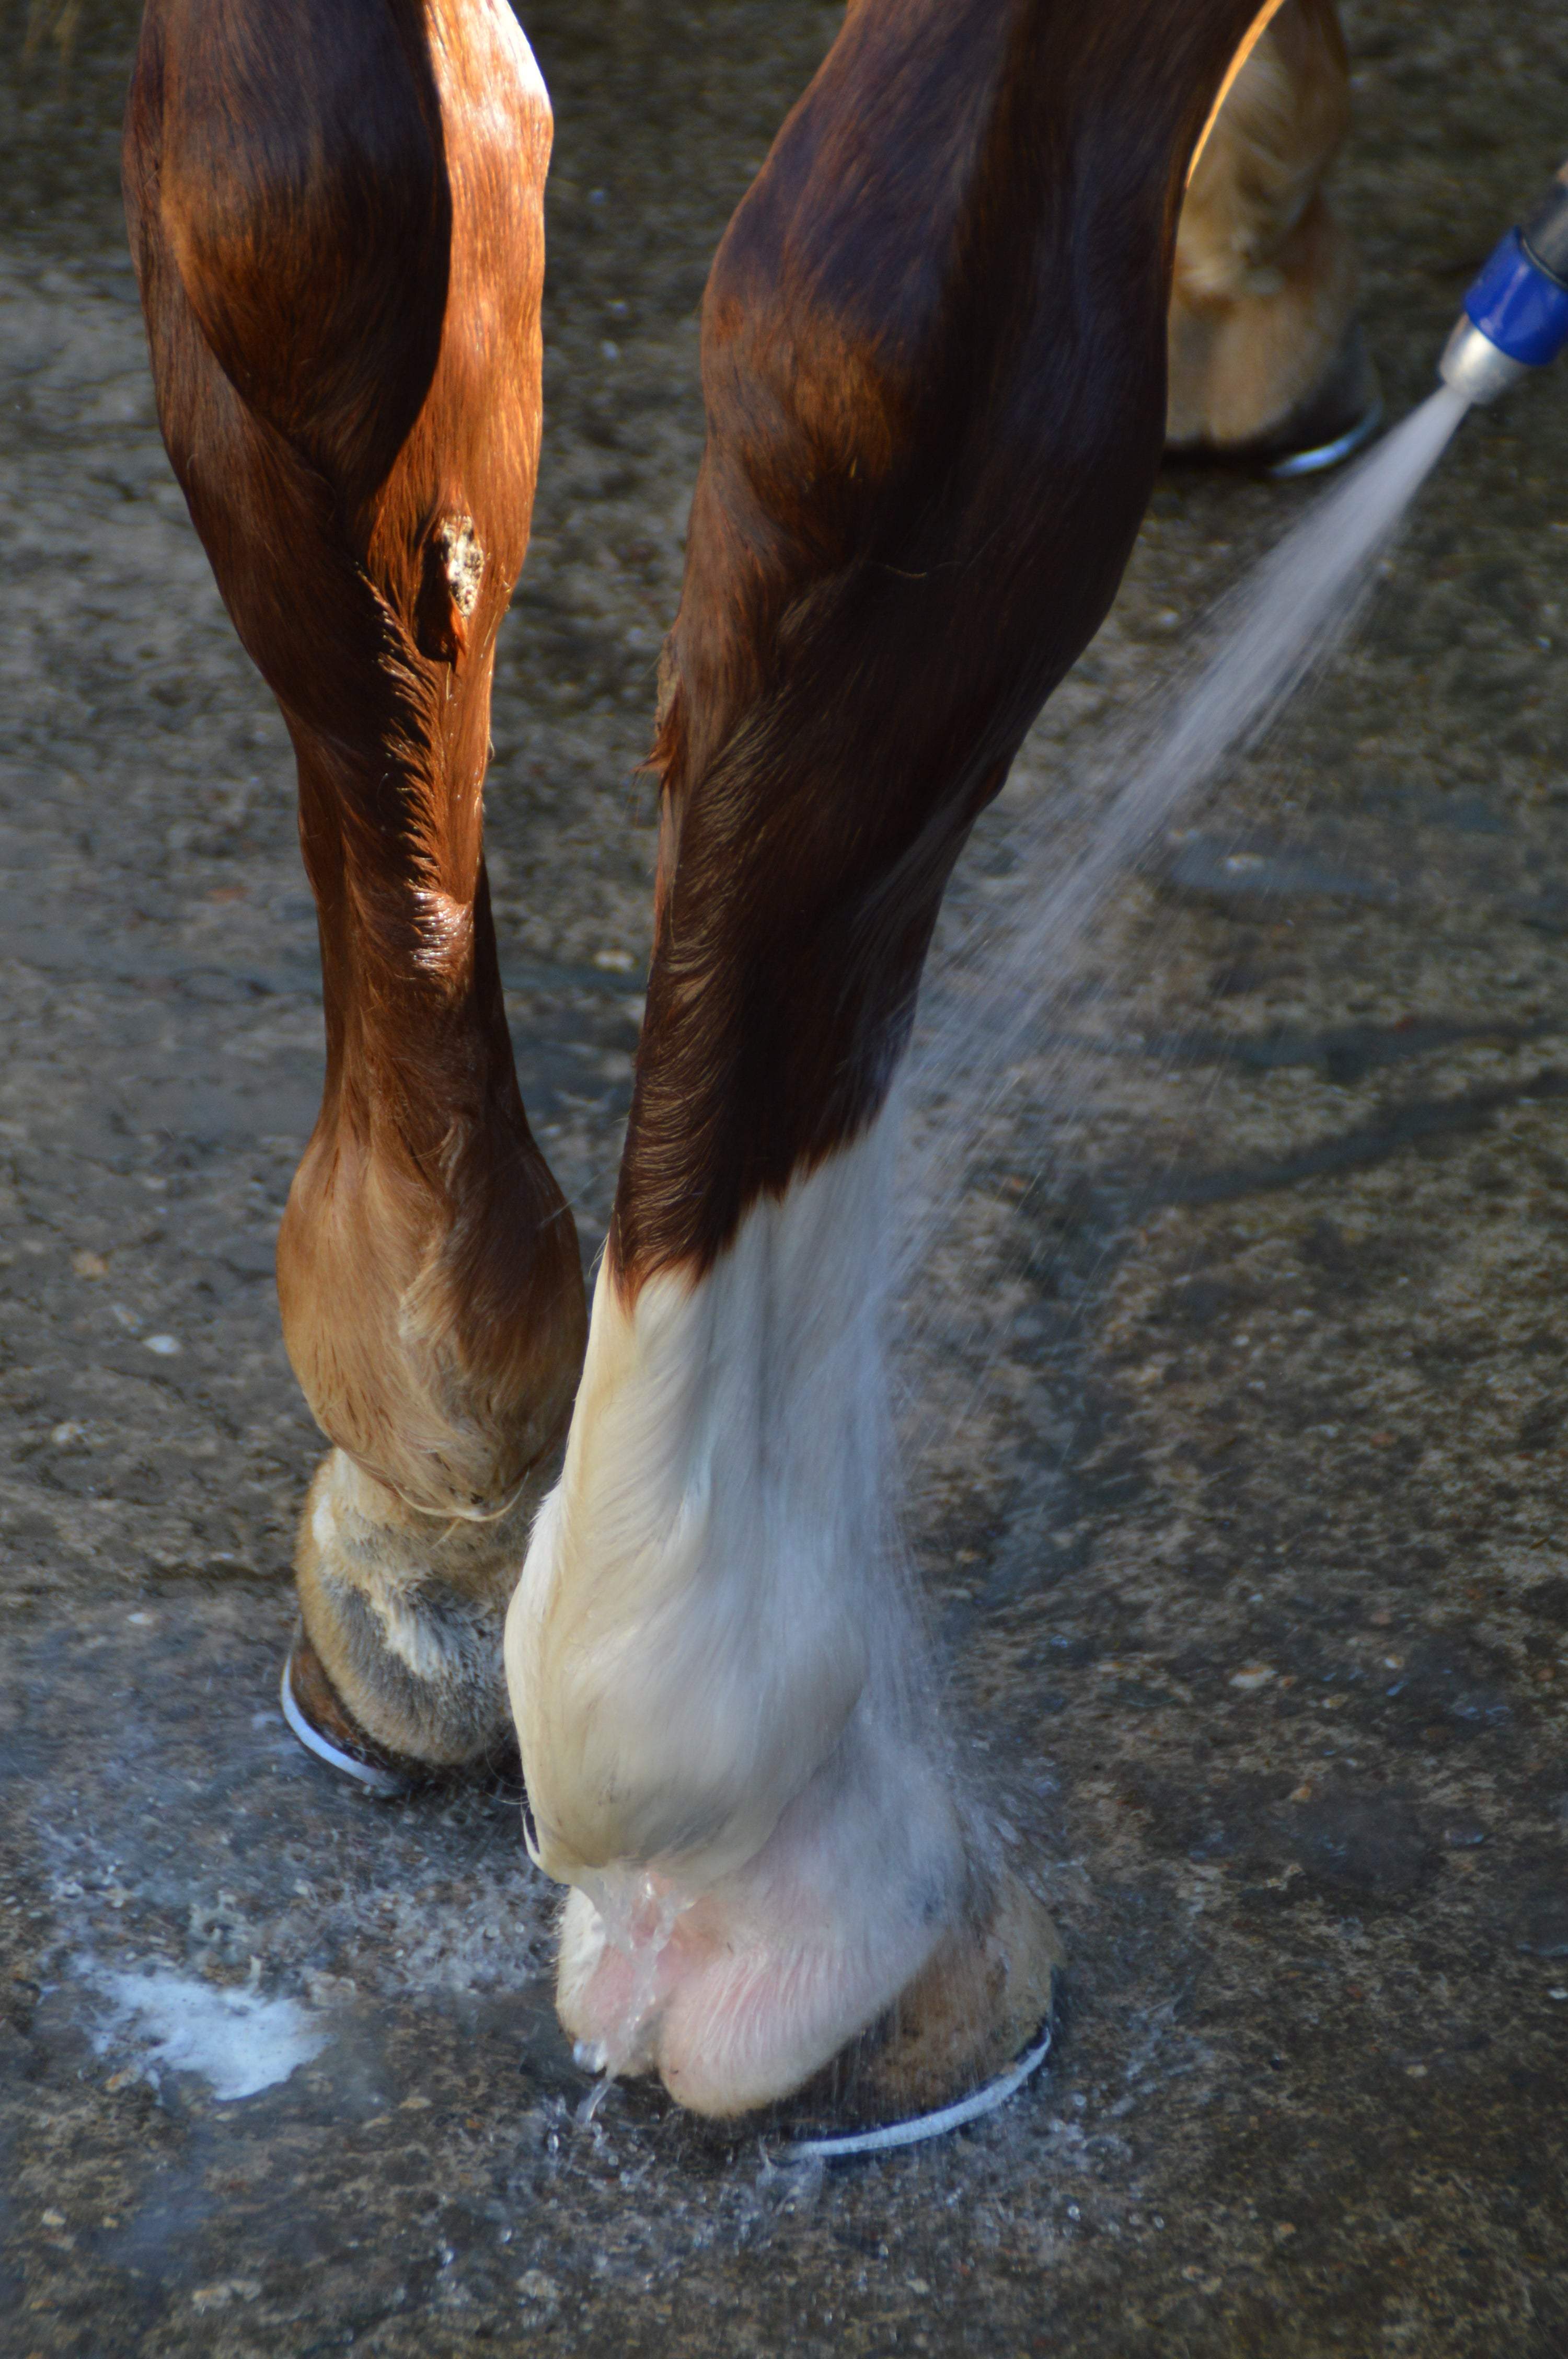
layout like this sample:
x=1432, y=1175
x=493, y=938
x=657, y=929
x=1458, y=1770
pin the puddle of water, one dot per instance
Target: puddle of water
x=237, y=2041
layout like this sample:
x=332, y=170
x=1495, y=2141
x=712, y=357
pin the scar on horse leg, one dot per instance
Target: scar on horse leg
x=336, y=218
x=1266, y=360
x=934, y=360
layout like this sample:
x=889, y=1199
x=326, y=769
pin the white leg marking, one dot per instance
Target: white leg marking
x=701, y=1600
x=728, y=1747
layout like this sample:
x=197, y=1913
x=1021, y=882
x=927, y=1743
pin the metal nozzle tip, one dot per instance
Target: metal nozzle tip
x=1472, y=365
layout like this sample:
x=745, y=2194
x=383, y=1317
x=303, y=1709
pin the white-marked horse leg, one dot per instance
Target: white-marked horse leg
x=735, y=1752
x=336, y=215
x=934, y=359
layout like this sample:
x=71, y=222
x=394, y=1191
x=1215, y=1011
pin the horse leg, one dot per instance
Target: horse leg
x=934, y=359
x=1266, y=359
x=335, y=209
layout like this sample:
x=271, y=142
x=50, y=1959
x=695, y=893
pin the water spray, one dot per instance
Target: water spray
x=1516, y=313
x=1005, y=978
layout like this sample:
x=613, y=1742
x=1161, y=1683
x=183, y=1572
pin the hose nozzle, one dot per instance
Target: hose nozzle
x=1516, y=314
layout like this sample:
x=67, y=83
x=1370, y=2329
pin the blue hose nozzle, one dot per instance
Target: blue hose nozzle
x=1516, y=313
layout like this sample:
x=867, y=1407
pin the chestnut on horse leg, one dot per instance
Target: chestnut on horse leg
x=934, y=358
x=335, y=210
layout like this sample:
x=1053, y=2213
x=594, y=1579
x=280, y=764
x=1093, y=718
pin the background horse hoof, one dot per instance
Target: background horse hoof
x=1337, y=419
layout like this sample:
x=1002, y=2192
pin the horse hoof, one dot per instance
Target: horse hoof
x=1338, y=418
x=977, y=2023
x=397, y=1667
x=326, y=1728
x=717, y=2019
x=321, y=1722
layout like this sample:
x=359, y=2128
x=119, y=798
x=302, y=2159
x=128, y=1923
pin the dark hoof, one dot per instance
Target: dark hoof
x=971, y=2028
x=880, y=2138
x=1338, y=418
x=322, y=1723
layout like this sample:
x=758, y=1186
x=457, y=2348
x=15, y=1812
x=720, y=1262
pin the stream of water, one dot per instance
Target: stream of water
x=1001, y=977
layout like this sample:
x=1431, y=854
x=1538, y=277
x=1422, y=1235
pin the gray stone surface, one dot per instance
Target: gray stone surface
x=1241, y=1367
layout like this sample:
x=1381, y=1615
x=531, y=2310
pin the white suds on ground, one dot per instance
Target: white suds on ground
x=236, y=2039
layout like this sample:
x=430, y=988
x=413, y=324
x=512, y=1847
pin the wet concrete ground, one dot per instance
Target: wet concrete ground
x=1245, y=1388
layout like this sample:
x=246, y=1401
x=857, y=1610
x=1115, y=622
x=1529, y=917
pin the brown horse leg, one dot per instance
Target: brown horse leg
x=335, y=209
x=933, y=349
x=1265, y=358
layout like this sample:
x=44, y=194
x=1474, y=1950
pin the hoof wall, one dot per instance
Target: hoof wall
x=975, y=2025
x=312, y=1709
x=324, y=1727
x=840, y=2144
x=1339, y=417
x=1321, y=456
